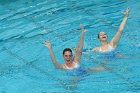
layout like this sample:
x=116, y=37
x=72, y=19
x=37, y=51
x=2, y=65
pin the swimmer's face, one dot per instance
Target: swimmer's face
x=102, y=36
x=67, y=56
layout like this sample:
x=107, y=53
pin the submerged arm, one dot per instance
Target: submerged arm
x=80, y=45
x=117, y=37
x=56, y=64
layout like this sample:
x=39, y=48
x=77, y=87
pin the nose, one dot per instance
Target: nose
x=68, y=56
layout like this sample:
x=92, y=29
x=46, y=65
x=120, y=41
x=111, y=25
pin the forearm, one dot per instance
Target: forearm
x=122, y=24
x=79, y=48
x=57, y=65
x=81, y=41
x=117, y=37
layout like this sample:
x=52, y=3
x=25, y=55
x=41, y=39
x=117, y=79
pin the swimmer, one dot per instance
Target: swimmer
x=70, y=61
x=112, y=45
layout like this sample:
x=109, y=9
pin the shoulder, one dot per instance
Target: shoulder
x=113, y=45
x=96, y=49
x=61, y=66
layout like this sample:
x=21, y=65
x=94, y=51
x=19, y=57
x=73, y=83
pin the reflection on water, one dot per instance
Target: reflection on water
x=7, y=1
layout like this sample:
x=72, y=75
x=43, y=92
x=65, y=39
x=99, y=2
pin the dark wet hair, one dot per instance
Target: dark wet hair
x=98, y=35
x=67, y=49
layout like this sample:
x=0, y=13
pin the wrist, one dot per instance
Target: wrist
x=126, y=16
x=50, y=47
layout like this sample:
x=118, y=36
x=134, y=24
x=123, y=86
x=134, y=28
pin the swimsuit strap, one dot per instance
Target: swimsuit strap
x=66, y=67
x=76, y=65
x=110, y=48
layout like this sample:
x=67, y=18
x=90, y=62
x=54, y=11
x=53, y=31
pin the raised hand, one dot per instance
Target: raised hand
x=48, y=44
x=126, y=13
x=82, y=28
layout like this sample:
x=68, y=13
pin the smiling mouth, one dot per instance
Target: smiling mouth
x=68, y=60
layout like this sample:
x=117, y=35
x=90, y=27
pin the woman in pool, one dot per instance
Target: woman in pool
x=70, y=62
x=110, y=46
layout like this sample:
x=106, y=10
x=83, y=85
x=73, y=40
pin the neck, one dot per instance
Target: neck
x=104, y=43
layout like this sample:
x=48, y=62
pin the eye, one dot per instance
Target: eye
x=68, y=55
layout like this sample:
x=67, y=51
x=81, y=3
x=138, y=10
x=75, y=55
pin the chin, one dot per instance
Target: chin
x=104, y=39
x=67, y=60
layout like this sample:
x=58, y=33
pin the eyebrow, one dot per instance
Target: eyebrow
x=103, y=34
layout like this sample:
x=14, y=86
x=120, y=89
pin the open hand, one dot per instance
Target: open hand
x=126, y=13
x=82, y=28
x=48, y=44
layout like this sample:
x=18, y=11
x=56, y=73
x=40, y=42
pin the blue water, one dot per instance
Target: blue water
x=25, y=64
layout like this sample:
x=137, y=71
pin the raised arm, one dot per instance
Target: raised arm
x=79, y=48
x=49, y=46
x=117, y=36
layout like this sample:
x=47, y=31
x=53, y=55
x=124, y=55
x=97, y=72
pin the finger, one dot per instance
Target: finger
x=81, y=26
x=47, y=41
x=127, y=9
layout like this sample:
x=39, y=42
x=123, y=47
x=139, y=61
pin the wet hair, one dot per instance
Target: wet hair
x=67, y=49
x=99, y=36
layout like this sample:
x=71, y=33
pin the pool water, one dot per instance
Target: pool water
x=25, y=63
